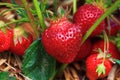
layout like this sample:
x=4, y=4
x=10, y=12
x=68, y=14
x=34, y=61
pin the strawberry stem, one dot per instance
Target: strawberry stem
x=115, y=19
x=89, y=1
x=7, y=4
x=55, y=7
x=101, y=69
x=15, y=21
x=109, y=27
x=39, y=13
x=74, y=6
x=59, y=71
x=108, y=12
x=106, y=45
x=30, y=16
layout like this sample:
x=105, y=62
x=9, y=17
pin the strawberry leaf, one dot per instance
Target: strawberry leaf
x=108, y=3
x=20, y=11
x=37, y=64
x=117, y=61
x=5, y=76
x=117, y=39
x=100, y=69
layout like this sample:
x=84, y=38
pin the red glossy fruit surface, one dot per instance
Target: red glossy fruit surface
x=86, y=16
x=5, y=38
x=84, y=50
x=20, y=41
x=111, y=50
x=62, y=40
x=92, y=63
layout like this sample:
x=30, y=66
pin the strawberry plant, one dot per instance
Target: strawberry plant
x=59, y=39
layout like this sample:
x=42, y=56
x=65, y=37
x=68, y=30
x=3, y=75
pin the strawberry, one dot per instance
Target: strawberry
x=20, y=41
x=5, y=38
x=97, y=67
x=86, y=16
x=113, y=28
x=62, y=40
x=112, y=49
x=84, y=50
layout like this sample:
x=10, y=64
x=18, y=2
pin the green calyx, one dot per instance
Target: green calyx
x=101, y=69
x=19, y=34
x=101, y=54
x=3, y=26
x=117, y=41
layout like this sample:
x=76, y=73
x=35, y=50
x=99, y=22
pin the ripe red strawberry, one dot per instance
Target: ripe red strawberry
x=62, y=40
x=113, y=29
x=111, y=50
x=86, y=16
x=84, y=50
x=97, y=67
x=5, y=38
x=20, y=41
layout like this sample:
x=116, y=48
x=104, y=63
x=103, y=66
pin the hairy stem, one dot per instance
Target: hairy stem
x=15, y=21
x=40, y=15
x=55, y=7
x=74, y=6
x=30, y=16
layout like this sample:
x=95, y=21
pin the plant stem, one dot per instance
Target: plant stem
x=44, y=2
x=59, y=71
x=115, y=19
x=55, y=7
x=40, y=16
x=7, y=4
x=74, y=6
x=108, y=12
x=31, y=17
x=89, y=1
x=16, y=21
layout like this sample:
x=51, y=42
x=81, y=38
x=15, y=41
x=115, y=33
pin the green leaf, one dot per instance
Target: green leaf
x=37, y=64
x=117, y=39
x=101, y=54
x=108, y=3
x=12, y=78
x=101, y=69
x=117, y=61
x=5, y=76
x=20, y=11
